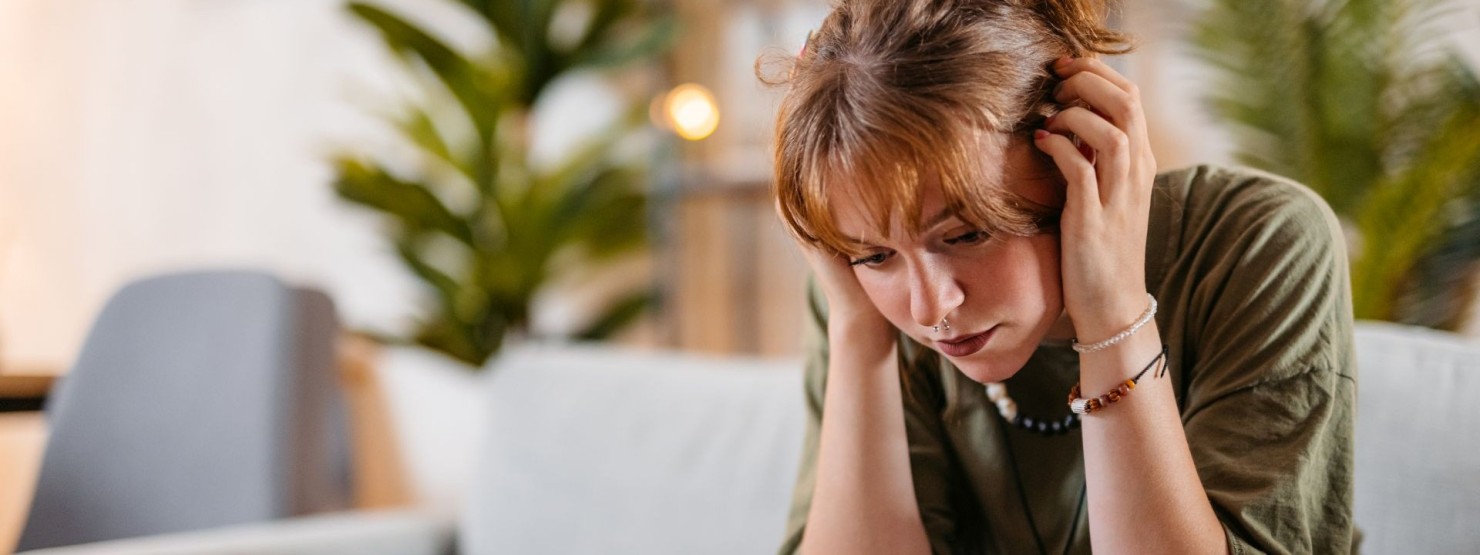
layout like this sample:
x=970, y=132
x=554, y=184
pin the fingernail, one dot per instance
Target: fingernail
x=1049, y=120
x=1040, y=135
x=1061, y=62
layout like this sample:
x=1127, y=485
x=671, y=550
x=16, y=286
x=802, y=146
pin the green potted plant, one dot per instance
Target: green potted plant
x=482, y=225
x=1362, y=101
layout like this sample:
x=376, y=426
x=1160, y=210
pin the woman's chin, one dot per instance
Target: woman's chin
x=988, y=367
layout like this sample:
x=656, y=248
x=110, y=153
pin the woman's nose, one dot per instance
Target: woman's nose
x=934, y=293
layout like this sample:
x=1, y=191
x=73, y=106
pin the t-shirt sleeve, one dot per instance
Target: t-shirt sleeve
x=936, y=476
x=1270, y=383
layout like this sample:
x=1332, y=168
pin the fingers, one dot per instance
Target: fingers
x=1111, y=146
x=1066, y=67
x=1107, y=93
x=1083, y=187
x=826, y=262
x=1112, y=122
x=1106, y=139
x=832, y=269
x=1120, y=107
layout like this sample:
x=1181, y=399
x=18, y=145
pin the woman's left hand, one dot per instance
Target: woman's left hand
x=1108, y=201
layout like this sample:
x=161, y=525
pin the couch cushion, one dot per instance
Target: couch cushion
x=380, y=532
x=1417, y=447
x=594, y=450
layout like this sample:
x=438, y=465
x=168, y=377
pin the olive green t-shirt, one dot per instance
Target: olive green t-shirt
x=1251, y=274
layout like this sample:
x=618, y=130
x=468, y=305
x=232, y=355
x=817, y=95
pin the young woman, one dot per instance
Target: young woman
x=1028, y=340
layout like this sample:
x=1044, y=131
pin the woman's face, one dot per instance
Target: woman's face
x=999, y=294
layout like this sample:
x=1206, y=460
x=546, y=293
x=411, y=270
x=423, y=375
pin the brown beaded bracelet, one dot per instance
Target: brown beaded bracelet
x=1079, y=405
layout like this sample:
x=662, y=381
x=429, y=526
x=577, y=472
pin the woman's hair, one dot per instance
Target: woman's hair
x=888, y=93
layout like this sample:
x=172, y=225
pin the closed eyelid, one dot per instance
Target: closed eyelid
x=865, y=260
x=968, y=236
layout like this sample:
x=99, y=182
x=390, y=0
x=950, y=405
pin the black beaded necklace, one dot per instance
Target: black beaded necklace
x=997, y=395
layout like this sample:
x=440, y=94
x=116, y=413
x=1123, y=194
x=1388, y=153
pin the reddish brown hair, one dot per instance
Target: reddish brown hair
x=888, y=93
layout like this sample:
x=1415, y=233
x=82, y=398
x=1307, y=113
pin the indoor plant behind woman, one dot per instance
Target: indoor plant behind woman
x=1029, y=341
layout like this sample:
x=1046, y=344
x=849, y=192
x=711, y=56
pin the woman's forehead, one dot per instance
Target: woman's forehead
x=856, y=221
x=1019, y=171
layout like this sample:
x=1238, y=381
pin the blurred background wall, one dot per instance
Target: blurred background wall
x=143, y=136
x=152, y=135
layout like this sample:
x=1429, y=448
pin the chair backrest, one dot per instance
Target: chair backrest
x=199, y=400
x=594, y=450
x=1417, y=453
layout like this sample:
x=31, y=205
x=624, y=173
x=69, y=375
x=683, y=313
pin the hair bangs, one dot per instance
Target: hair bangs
x=880, y=160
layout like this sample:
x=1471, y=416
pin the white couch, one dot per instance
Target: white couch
x=1418, y=451
x=591, y=450
x=411, y=532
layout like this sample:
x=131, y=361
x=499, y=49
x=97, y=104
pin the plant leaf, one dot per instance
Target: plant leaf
x=618, y=315
x=1360, y=100
x=412, y=204
x=448, y=290
x=471, y=87
x=655, y=37
x=1441, y=292
x=1406, y=215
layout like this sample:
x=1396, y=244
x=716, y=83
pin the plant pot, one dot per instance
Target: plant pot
x=417, y=417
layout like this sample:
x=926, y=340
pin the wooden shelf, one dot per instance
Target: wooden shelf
x=24, y=392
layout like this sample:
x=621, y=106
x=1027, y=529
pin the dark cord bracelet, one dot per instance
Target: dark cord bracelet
x=1080, y=405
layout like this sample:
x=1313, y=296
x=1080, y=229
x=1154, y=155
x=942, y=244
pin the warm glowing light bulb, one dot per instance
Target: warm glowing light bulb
x=691, y=112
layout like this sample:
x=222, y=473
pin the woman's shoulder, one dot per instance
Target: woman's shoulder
x=1213, y=192
x=1259, y=264
x=1235, y=209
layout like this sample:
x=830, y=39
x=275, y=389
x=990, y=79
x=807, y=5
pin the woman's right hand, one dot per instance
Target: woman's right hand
x=863, y=495
x=849, y=310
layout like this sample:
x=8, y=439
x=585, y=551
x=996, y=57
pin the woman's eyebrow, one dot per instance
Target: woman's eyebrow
x=944, y=214
x=857, y=243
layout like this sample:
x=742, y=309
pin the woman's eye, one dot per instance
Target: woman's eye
x=968, y=238
x=872, y=260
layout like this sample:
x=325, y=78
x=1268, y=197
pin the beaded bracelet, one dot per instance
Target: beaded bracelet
x=1079, y=405
x=1140, y=322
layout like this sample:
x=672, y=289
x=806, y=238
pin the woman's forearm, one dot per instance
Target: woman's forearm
x=1144, y=493
x=864, y=501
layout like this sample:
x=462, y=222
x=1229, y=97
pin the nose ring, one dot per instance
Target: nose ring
x=943, y=324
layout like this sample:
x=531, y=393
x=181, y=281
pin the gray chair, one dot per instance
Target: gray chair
x=199, y=400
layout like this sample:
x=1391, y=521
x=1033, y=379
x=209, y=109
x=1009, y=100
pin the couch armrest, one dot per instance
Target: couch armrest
x=398, y=532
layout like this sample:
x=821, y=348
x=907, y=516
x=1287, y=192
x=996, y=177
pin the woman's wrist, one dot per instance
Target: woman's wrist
x=861, y=333
x=1104, y=370
x=1117, y=314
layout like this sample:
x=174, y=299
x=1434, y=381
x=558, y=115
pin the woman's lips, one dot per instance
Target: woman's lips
x=965, y=345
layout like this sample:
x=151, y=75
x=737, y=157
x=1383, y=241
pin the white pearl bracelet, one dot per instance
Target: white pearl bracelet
x=1140, y=323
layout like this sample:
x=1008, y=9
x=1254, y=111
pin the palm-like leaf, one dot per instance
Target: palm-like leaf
x=484, y=261
x=1405, y=216
x=411, y=204
x=1357, y=99
x=473, y=86
x=1444, y=274
x=610, y=38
